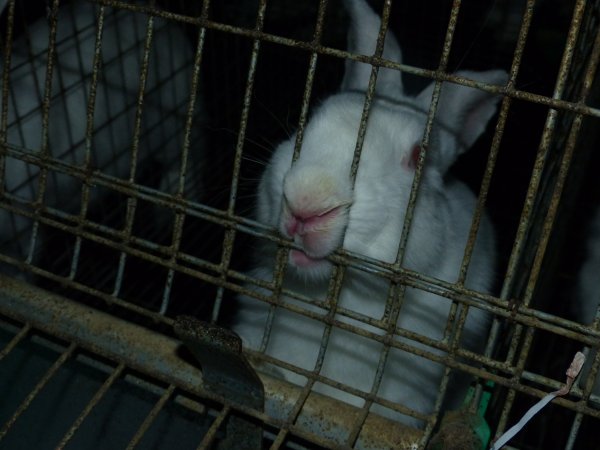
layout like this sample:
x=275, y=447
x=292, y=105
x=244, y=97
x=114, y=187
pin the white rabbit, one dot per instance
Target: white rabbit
x=588, y=285
x=166, y=98
x=314, y=203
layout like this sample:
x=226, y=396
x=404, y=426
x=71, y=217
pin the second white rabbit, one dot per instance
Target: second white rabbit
x=113, y=137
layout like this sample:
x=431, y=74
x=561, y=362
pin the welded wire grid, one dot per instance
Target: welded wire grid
x=103, y=395
x=504, y=363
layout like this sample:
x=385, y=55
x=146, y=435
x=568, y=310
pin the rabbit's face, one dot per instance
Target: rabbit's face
x=316, y=204
x=314, y=201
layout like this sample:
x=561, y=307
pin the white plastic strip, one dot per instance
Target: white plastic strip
x=572, y=373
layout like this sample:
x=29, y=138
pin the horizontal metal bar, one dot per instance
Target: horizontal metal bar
x=521, y=314
x=323, y=421
x=257, y=34
x=380, y=62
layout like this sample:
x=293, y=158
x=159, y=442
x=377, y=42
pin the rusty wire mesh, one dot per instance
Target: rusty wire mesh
x=108, y=254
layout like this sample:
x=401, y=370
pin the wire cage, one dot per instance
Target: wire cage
x=133, y=137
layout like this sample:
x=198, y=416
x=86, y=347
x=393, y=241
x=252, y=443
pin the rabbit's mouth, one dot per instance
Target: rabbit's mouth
x=300, y=259
x=309, y=267
x=318, y=235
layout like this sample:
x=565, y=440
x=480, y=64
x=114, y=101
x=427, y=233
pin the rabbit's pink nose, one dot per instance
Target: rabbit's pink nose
x=296, y=224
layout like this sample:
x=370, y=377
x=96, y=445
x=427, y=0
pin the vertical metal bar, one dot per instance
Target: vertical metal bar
x=180, y=217
x=280, y=263
x=166, y=297
x=335, y=286
x=533, y=190
x=370, y=93
x=574, y=431
x=119, y=277
x=85, y=188
x=417, y=181
x=15, y=341
x=282, y=253
x=132, y=201
x=397, y=292
x=5, y=90
x=280, y=439
x=310, y=76
x=563, y=172
x=91, y=405
x=230, y=233
x=427, y=132
x=506, y=102
x=211, y=434
x=151, y=417
x=595, y=367
x=44, y=151
x=527, y=212
x=38, y=387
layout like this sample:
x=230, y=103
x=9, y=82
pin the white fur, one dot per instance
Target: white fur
x=165, y=104
x=372, y=215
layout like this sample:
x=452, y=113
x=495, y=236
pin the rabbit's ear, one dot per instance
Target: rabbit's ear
x=463, y=111
x=362, y=40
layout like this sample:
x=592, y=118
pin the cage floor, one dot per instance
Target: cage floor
x=74, y=377
x=111, y=424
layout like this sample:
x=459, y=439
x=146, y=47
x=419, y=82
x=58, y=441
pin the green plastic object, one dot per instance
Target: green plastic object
x=463, y=429
x=483, y=430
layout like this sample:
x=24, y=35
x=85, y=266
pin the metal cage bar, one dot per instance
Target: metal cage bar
x=510, y=371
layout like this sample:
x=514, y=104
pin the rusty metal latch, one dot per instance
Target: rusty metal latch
x=226, y=372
